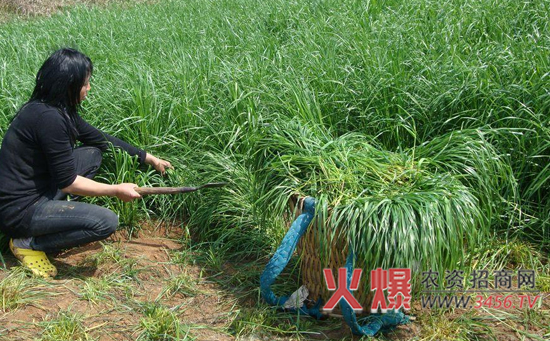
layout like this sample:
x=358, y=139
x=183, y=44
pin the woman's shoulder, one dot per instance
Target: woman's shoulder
x=38, y=116
x=38, y=111
x=37, y=106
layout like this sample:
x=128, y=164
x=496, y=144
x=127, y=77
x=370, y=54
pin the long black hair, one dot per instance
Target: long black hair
x=60, y=79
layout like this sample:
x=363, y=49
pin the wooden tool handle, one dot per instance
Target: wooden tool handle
x=164, y=190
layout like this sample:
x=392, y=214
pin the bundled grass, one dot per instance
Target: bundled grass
x=418, y=207
x=469, y=155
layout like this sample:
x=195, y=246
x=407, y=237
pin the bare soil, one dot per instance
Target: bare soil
x=116, y=317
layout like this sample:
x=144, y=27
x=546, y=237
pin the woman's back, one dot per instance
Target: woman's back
x=38, y=131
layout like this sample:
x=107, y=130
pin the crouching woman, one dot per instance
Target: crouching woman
x=40, y=166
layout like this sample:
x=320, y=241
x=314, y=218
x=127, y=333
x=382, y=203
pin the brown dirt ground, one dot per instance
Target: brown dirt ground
x=110, y=319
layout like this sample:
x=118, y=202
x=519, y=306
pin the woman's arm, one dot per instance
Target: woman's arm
x=90, y=135
x=86, y=187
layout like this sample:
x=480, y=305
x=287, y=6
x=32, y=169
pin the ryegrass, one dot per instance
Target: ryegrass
x=161, y=324
x=420, y=124
x=17, y=290
x=106, y=288
x=65, y=326
x=211, y=85
x=111, y=253
x=182, y=284
x=416, y=208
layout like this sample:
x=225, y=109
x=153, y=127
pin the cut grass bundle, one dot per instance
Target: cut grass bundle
x=418, y=208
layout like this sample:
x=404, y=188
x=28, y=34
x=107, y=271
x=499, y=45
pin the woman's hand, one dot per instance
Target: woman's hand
x=159, y=164
x=126, y=192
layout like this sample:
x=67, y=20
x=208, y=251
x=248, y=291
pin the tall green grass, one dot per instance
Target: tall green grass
x=341, y=100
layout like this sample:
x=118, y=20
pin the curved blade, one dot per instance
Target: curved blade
x=173, y=190
x=212, y=185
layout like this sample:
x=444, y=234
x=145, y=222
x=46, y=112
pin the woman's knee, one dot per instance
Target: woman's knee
x=88, y=160
x=94, y=155
x=107, y=223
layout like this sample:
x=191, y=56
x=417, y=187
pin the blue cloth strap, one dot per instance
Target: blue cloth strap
x=279, y=261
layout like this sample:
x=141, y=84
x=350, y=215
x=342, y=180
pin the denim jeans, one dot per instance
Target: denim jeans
x=58, y=224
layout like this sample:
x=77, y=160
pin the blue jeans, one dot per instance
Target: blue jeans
x=58, y=224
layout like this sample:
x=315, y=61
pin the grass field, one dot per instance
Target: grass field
x=421, y=128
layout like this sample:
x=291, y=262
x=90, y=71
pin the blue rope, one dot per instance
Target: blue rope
x=375, y=322
x=279, y=261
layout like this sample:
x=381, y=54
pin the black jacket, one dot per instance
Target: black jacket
x=36, y=159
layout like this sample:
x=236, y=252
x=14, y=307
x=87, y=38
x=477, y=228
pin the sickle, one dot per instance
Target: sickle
x=174, y=190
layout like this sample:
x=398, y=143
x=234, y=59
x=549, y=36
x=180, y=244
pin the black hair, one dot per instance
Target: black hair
x=60, y=79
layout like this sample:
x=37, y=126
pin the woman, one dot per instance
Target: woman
x=39, y=167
